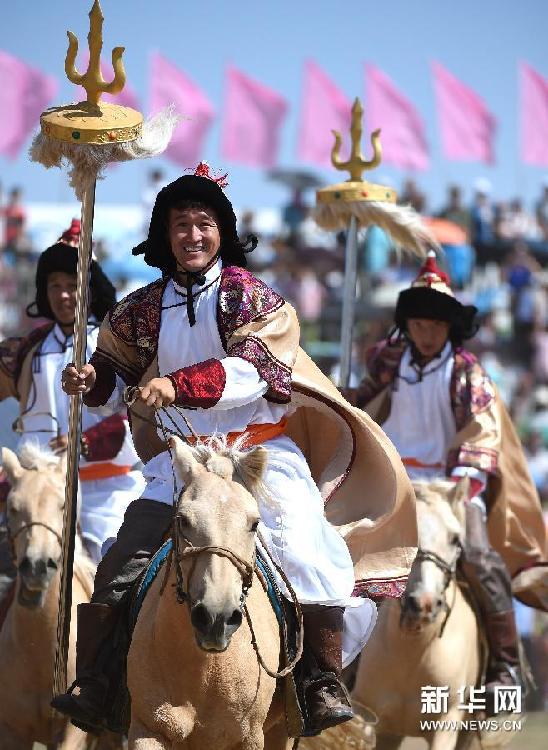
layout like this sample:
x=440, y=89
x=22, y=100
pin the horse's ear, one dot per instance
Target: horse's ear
x=184, y=463
x=11, y=465
x=459, y=495
x=251, y=467
x=461, y=491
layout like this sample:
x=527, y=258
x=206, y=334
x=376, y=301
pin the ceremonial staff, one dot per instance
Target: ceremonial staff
x=88, y=136
x=356, y=204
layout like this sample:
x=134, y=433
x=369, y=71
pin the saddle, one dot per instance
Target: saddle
x=293, y=691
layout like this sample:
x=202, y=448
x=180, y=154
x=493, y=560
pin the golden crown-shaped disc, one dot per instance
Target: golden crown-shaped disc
x=93, y=121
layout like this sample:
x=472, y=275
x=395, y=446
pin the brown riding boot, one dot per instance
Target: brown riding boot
x=85, y=700
x=504, y=662
x=327, y=699
x=491, y=587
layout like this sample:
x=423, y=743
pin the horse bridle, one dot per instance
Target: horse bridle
x=449, y=571
x=36, y=523
x=244, y=568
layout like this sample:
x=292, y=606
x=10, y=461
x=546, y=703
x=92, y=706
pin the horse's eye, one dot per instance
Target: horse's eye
x=454, y=540
x=183, y=521
x=254, y=526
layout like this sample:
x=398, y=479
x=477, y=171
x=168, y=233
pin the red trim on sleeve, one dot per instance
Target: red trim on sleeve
x=199, y=386
x=104, y=440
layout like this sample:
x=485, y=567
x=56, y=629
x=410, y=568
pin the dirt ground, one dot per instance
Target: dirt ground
x=533, y=736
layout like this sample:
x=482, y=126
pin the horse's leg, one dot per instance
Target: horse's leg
x=387, y=742
x=73, y=739
x=106, y=741
x=444, y=740
x=276, y=737
x=141, y=738
x=11, y=741
x=468, y=741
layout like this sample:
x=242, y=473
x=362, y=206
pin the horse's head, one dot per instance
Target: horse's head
x=440, y=525
x=35, y=518
x=215, y=527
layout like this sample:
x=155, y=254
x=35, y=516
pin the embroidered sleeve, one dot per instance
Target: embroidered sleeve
x=113, y=356
x=477, y=418
x=257, y=325
x=199, y=386
x=12, y=355
x=382, y=362
x=8, y=362
x=103, y=441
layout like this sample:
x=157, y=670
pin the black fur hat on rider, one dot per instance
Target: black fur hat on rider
x=64, y=257
x=430, y=297
x=202, y=189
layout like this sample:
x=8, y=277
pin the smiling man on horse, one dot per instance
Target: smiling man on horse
x=30, y=370
x=211, y=346
x=442, y=412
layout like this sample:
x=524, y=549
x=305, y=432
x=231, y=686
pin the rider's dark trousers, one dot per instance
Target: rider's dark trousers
x=483, y=567
x=146, y=523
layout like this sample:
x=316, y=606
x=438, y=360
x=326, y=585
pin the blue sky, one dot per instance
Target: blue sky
x=480, y=41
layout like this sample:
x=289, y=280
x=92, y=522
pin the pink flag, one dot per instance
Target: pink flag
x=168, y=85
x=467, y=126
x=534, y=116
x=252, y=121
x=324, y=108
x=403, y=138
x=24, y=93
x=127, y=96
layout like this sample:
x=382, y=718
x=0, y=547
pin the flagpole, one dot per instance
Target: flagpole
x=349, y=302
x=70, y=511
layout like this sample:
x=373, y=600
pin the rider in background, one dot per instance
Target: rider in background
x=30, y=371
x=442, y=412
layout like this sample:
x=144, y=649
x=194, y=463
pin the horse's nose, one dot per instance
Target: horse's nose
x=37, y=571
x=201, y=619
x=233, y=622
x=426, y=603
x=214, y=630
x=413, y=603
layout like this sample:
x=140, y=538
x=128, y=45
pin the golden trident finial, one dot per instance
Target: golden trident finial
x=92, y=80
x=356, y=163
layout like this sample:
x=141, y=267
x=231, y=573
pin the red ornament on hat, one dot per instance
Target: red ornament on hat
x=72, y=235
x=431, y=275
x=202, y=170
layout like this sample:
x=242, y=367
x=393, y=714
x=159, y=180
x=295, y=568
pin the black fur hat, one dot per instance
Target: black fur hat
x=200, y=188
x=430, y=297
x=63, y=257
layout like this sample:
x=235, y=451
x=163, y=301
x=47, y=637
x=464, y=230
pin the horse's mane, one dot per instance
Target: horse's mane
x=248, y=465
x=34, y=456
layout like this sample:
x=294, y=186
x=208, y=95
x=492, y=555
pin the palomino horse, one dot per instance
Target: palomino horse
x=29, y=633
x=193, y=673
x=432, y=641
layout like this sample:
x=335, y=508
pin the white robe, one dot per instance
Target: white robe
x=310, y=551
x=103, y=502
x=421, y=423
